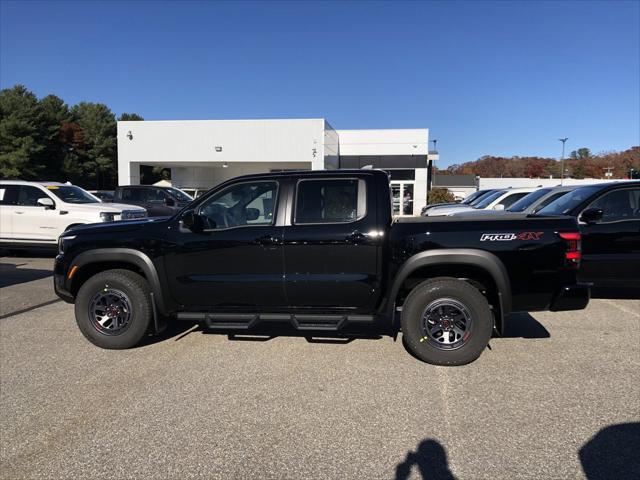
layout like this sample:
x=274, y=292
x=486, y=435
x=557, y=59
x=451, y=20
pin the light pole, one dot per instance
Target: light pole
x=430, y=166
x=563, y=140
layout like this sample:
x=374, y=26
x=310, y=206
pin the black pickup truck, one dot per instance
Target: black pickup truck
x=320, y=251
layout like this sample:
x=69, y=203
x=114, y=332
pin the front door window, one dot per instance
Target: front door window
x=250, y=203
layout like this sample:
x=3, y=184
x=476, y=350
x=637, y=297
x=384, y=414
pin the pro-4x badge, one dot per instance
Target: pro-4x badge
x=506, y=237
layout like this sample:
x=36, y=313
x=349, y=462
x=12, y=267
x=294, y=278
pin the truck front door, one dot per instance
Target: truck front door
x=236, y=261
x=331, y=244
x=611, y=246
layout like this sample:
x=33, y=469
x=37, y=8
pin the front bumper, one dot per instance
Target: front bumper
x=60, y=284
x=573, y=297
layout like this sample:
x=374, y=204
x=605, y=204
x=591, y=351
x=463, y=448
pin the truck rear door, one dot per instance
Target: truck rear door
x=331, y=243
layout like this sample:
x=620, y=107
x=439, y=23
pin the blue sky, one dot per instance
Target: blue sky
x=501, y=78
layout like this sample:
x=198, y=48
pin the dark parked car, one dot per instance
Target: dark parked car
x=106, y=196
x=609, y=219
x=320, y=251
x=159, y=201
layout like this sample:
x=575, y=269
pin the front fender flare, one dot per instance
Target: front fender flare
x=128, y=255
x=457, y=256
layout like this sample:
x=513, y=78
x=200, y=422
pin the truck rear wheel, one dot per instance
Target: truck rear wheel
x=446, y=322
x=113, y=309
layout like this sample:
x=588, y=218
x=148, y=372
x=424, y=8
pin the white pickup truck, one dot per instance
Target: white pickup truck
x=34, y=214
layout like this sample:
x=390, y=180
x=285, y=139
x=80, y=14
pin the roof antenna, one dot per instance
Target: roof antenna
x=367, y=167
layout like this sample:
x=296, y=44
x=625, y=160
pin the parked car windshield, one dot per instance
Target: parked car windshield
x=525, y=202
x=474, y=196
x=72, y=194
x=479, y=198
x=486, y=201
x=179, y=195
x=568, y=202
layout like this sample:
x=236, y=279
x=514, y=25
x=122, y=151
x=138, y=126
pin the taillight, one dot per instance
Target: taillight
x=573, y=253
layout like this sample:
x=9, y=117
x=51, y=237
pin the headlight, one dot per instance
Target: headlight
x=107, y=216
x=61, y=241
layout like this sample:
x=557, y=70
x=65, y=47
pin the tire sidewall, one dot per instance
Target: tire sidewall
x=474, y=302
x=140, y=314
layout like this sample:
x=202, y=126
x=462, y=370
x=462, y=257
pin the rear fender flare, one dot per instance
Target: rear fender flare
x=459, y=256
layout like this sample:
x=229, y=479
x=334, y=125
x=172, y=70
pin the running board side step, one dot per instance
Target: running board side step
x=245, y=321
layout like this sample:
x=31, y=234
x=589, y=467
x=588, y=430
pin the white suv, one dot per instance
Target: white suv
x=35, y=213
x=498, y=200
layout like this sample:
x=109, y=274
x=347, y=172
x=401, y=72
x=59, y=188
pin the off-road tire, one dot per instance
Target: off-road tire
x=137, y=293
x=412, y=322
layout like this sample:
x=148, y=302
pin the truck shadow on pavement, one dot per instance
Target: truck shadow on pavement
x=10, y=274
x=523, y=325
x=177, y=330
x=430, y=458
x=627, y=293
x=613, y=453
x=520, y=325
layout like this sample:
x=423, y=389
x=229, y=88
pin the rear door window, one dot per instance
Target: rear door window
x=330, y=201
x=9, y=194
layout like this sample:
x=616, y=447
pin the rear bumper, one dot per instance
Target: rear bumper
x=573, y=297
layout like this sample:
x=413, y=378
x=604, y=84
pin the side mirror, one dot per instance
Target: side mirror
x=498, y=207
x=191, y=220
x=252, y=214
x=47, y=203
x=169, y=202
x=591, y=215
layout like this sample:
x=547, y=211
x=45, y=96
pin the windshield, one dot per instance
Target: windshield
x=568, y=202
x=479, y=198
x=473, y=196
x=484, y=203
x=525, y=202
x=72, y=194
x=179, y=195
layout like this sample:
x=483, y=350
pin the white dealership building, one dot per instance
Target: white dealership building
x=203, y=153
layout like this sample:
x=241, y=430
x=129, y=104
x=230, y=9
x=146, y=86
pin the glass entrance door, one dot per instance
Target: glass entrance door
x=402, y=198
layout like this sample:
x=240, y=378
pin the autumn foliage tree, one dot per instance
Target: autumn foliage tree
x=580, y=164
x=440, y=195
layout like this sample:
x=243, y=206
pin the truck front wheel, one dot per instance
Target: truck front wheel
x=113, y=309
x=446, y=321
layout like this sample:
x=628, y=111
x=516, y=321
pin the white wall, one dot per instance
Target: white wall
x=210, y=176
x=331, y=147
x=413, y=141
x=189, y=141
x=420, y=190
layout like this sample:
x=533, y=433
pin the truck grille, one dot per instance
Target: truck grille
x=133, y=214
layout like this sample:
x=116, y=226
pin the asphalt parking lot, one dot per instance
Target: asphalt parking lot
x=558, y=398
